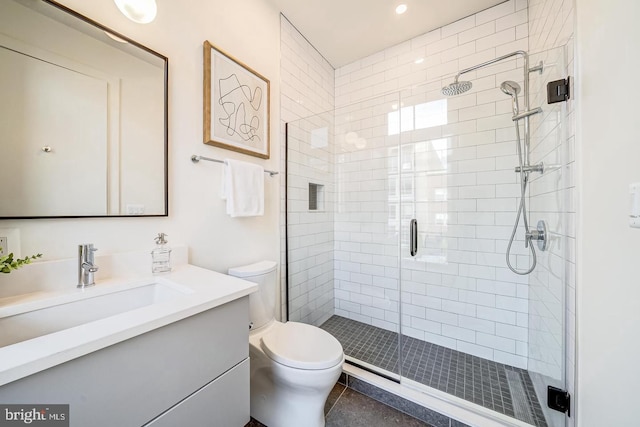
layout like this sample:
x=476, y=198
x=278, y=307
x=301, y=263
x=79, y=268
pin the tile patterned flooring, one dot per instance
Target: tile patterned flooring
x=496, y=386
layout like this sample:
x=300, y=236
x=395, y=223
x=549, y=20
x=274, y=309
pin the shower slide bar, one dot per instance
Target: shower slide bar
x=196, y=159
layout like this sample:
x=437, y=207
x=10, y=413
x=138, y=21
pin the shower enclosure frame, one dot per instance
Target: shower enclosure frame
x=287, y=132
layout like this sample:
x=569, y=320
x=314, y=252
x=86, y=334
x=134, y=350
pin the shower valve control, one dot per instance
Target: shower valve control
x=538, y=235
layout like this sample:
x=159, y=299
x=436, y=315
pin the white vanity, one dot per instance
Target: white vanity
x=133, y=350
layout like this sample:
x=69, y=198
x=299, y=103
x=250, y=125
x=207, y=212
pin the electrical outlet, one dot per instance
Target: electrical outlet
x=135, y=209
x=10, y=242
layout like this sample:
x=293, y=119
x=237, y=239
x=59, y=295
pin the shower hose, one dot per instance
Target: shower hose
x=522, y=212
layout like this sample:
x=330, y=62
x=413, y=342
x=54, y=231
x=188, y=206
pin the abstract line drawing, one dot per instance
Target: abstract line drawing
x=236, y=105
x=232, y=97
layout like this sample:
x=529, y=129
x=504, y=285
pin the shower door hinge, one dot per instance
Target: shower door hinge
x=558, y=91
x=559, y=399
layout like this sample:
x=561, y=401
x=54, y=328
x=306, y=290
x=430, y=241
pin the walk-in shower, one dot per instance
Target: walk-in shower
x=512, y=89
x=400, y=210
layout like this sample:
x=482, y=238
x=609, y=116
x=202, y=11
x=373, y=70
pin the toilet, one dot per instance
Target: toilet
x=294, y=366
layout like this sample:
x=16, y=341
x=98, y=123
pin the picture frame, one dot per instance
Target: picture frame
x=236, y=105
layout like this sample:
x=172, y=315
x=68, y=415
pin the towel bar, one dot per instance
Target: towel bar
x=196, y=159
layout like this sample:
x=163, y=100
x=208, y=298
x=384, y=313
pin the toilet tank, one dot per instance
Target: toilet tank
x=262, y=304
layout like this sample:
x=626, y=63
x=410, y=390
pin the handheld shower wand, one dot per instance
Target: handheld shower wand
x=512, y=89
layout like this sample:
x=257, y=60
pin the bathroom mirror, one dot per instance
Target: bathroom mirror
x=83, y=117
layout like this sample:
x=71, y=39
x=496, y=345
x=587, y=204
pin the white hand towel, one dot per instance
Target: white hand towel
x=243, y=188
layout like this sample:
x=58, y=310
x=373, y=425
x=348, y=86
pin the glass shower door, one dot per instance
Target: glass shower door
x=343, y=221
x=550, y=285
x=471, y=327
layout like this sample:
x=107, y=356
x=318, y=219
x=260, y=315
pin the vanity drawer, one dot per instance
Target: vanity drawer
x=223, y=402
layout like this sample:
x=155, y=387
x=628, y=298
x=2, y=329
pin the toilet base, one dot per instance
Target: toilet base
x=287, y=397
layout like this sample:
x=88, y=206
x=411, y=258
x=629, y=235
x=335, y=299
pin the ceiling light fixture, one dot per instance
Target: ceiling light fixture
x=419, y=61
x=140, y=11
x=401, y=8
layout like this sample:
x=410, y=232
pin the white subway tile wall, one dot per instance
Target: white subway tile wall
x=366, y=223
x=307, y=89
x=311, y=228
x=448, y=162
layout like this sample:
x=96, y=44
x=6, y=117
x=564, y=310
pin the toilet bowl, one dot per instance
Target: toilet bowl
x=294, y=366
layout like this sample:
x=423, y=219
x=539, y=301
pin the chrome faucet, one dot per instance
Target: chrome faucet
x=86, y=265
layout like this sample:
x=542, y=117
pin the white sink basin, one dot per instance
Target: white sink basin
x=79, y=308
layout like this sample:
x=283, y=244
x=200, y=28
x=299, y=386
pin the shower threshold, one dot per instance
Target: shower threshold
x=502, y=388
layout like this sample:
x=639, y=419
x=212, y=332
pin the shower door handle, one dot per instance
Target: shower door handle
x=413, y=237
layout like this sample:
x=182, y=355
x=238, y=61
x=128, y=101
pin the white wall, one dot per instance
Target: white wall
x=608, y=150
x=249, y=31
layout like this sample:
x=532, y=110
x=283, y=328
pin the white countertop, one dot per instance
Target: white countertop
x=205, y=290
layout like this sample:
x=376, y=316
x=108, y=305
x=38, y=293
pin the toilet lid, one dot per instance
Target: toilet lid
x=302, y=346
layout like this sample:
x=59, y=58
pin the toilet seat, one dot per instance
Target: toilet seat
x=302, y=346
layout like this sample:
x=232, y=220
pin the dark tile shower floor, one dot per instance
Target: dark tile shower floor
x=496, y=386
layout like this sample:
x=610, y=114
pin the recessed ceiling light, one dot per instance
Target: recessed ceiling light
x=401, y=8
x=419, y=61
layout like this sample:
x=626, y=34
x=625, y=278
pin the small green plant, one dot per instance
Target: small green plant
x=7, y=263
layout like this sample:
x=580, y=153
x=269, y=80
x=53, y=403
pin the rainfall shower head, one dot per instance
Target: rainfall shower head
x=510, y=88
x=456, y=88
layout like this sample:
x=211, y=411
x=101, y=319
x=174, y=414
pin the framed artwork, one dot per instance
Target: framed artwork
x=236, y=105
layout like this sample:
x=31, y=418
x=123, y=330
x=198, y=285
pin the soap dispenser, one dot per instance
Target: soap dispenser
x=161, y=255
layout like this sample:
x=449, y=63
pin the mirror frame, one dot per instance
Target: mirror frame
x=90, y=21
